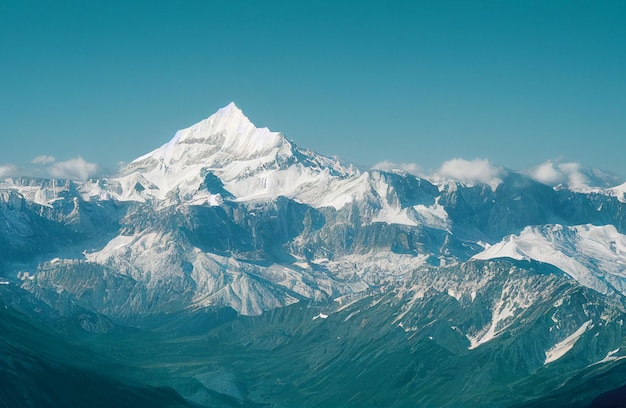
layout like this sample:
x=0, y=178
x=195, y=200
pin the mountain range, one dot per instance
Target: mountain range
x=231, y=267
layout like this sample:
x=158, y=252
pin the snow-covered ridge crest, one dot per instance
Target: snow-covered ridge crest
x=249, y=162
x=225, y=157
x=228, y=130
x=619, y=192
x=593, y=255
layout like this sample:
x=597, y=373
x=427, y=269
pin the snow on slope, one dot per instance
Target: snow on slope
x=226, y=157
x=176, y=272
x=513, y=299
x=174, y=269
x=40, y=191
x=593, y=255
x=619, y=192
x=252, y=163
x=560, y=349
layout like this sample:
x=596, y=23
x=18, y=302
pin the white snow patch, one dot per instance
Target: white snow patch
x=418, y=295
x=350, y=300
x=351, y=315
x=610, y=356
x=454, y=294
x=23, y=276
x=394, y=216
x=303, y=265
x=500, y=313
x=560, y=349
x=511, y=300
x=433, y=216
x=115, y=245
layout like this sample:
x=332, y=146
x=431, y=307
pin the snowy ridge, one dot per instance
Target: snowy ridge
x=225, y=157
x=228, y=130
x=251, y=163
x=40, y=191
x=157, y=260
x=619, y=192
x=593, y=255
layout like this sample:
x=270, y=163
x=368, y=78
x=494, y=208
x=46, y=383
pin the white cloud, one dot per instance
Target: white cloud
x=547, y=174
x=7, y=170
x=45, y=166
x=553, y=174
x=43, y=159
x=411, y=168
x=472, y=171
x=75, y=169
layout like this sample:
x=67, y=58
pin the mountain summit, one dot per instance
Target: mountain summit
x=227, y=135
x=226, y=142
x=249, y=162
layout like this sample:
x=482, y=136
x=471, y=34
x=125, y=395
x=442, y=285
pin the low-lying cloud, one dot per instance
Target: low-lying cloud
x=559, y=173
x=45, y=166
x=411, y=168
x=75, y=169
x=7, y=170
x=572, y=175
x=472, y=172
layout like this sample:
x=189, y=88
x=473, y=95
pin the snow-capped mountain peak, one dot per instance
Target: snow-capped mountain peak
x=226, y=155
x=226, y=144
x=227, y=135
x=234, y=133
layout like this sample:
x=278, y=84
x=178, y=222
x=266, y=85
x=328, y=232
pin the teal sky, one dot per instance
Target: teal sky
x=516, y=82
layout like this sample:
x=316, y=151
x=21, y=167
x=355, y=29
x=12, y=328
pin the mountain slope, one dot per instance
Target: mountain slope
x=39, y=368
x=593, y=255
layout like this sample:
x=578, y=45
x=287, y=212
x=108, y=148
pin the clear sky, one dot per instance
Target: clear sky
x=515, y=82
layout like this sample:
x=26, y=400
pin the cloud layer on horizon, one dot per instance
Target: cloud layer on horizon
x=8, y=170
x=411, y=168
x=572, y=175
x=470, y=172
x=45, y=166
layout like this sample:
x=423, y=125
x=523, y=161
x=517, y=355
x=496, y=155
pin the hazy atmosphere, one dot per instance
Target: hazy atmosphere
x=87, y=85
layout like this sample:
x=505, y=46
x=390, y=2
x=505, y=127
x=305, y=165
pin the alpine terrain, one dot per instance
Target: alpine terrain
x=232, y=268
